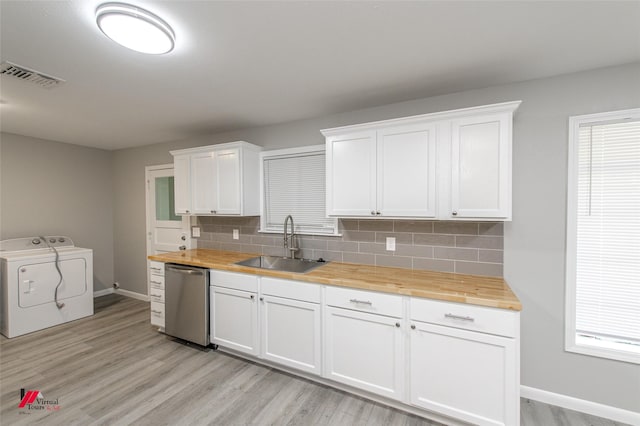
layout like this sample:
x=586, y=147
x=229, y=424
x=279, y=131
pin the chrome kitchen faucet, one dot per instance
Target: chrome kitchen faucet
x=289, y=242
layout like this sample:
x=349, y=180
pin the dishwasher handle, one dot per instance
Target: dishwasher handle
x=184, y=270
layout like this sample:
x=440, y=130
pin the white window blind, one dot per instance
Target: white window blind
x=295, y=185
x=607, y=235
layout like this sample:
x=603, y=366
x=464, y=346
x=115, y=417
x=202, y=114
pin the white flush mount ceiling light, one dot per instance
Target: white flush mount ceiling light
x=135, y=28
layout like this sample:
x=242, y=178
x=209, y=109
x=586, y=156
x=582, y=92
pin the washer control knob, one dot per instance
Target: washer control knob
x=35, y=241
x=61, y=240
x=52, y=240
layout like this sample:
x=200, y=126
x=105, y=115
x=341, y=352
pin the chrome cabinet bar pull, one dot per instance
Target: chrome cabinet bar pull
x=458, y=317
x=364, y=302
x=156, y=312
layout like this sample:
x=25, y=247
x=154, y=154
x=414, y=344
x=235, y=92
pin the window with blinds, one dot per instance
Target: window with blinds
x=294, y=184
x=603, y=244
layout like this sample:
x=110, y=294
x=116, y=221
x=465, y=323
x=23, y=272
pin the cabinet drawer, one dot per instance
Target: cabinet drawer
x=365, y=301
x=469, y=317
x=157, y=314
x=156, y=281
x=291, y=289
x=234, y=280
x=156, y=295
x=156, y=268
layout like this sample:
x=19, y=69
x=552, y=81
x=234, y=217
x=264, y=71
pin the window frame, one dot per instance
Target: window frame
x=284, y=153
x=573, y=342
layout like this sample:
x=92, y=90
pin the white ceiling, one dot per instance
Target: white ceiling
x=242, y=64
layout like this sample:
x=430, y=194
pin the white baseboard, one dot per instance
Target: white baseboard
x=103, y=292
x=132, y=294
x=582, y=405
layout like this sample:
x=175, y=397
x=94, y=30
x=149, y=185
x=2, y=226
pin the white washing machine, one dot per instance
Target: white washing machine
x=29, y=277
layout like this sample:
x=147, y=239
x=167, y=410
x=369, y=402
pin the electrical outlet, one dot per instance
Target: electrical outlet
x=391, y=243
x=236, y=234
x=195, y=231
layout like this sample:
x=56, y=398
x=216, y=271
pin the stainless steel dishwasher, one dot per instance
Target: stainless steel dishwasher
x=187, y=303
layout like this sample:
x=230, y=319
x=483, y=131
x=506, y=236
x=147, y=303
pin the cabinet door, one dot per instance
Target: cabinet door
x=291, y=333
x=406, y=171
x=182, y=184
x=203, y=183
x=234, y=319
x=463, y=374
x=481, y=167
x=365, y=351
x=228, y=181
x=351, y=174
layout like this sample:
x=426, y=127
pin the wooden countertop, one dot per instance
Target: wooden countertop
x=471, y=289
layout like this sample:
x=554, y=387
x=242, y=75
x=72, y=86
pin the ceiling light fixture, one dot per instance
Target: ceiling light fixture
x=135, y=28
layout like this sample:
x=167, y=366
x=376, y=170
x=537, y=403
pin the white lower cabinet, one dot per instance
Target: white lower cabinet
x=291, y=333
x=463, y=374
x=290, y=324
x=364, y=340
x=464, y=361
x=234, y=319
x=156, y=292
x=455, y=360
x=365, y=351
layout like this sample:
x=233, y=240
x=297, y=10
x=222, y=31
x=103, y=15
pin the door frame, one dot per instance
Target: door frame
x=190, y=242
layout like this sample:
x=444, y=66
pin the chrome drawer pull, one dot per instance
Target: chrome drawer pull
x=364, y=302
x=156, y=312
x=458, y=317
x=155, y=282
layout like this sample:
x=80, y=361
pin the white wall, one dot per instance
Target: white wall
x=54, y=188
x=534, y=241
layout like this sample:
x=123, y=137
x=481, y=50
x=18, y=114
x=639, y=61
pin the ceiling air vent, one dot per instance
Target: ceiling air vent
x=26, y=74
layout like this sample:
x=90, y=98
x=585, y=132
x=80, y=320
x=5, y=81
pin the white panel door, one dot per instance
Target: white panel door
x=365, y=351
x=291, y=333
x=182, y=187
x=407, y=171
x=481, y=167
x=464, y=374
x=228, y=182
x=166, y=231
x=203, y=183
x=234, y=319
x=351, y=174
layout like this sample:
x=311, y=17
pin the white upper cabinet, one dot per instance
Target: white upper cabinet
x=228, y=176
x=204, y=183
x=481, y=167
x=406, y=166
x=218, y=180
x=182, y=183
x=389, y=172
x=453, y=165
x=351, y=174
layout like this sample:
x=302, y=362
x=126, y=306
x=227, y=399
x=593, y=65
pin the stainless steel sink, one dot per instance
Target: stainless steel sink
x=285, y=264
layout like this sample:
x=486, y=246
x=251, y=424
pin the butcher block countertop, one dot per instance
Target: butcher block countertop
x=472, y=289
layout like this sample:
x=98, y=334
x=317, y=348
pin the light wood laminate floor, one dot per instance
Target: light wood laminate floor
x=115, y=369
